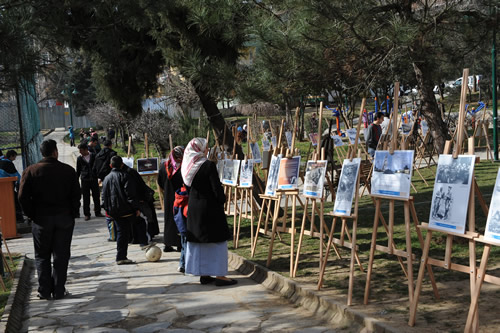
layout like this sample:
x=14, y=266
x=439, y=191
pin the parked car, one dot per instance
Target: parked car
x=470, y=81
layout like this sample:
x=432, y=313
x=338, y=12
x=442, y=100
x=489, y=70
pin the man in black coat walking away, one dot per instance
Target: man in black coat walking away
x=120, y=201
x=84, y=164
x=50, y=195
x=101, y=166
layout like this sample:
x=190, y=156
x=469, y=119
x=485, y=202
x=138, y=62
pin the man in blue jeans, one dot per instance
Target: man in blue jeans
x=119, y=199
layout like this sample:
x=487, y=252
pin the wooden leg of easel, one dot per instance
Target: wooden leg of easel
x=473, y=272
x=235, y=216
x=325, y=260
x=475, y=293
x=312, y=215
x=8, y=251
x=285, y=215
x=421, y=272
x=257, y=230
x=292, y=235
x=321, y=233
x=269, y=209
x=273, y=232
x=422, y=177
x=390, y=241
x=353, y=240
x=372, y=251
x=354, y=255
x=409, y=258
x=239, y=218
x=228, y=207
x=301, y=236
x=421, y=241
x=251, y=217
x=6, y=264
x=480, y=198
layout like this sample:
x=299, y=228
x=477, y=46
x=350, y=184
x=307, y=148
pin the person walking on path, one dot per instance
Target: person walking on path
x=102, y=162
x=120, y=202
x=71, y=136
x=8, y=169
x=50, y=195
x=170, y=180
x=84, y=164
x=374, y=133
x=207, y=230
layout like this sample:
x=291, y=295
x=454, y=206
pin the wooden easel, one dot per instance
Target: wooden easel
x=409, y=214
x=344, y=229
x=471, y=235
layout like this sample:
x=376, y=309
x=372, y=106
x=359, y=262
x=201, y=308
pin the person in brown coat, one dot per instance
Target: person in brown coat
x=50, y=195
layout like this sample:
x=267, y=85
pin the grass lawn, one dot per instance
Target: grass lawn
x=4, y=295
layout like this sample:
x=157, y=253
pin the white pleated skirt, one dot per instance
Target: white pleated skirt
x=206, y=259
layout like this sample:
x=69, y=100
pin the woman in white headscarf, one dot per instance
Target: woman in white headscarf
x=207, y=229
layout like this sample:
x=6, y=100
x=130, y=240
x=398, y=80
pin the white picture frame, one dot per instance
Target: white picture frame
x=272, y=176
x=147, y=166
x=392, y=173
x=288, y=176
x=231, y=172
x=254, y=147
x=492, y=231
x=347, y=187
x=246, y=173
x=314, y=179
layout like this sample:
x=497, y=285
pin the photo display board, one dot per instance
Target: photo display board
x=147, y=165
x=266, y=145
x=347, y=187
x=255, y=152
x=493, y=223
x=337, y=141
x=351, y=134
x=231, y=170
x=450, y=198
x=314, y=138
x=129, y=161
x=274, y=142
x=314, y=180
x=288, y=177
x=392, y=173
x=246, y=173
x=220, y=169
x=272, y=177
x=288, y=136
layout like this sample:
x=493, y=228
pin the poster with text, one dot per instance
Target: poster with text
x=351, y=134
x=314, y=138
x=450, y=198
x=246, y=173
x=147, y=165
x=347, y=187
x=266, y=145
x=314, y=179
x=288, y=136
x=337, y=141
x=231, y=171
x=129, y=161
x=254, y=146
x=272, y=176
x=493, y=223
x=288, y=178
x=392, y=173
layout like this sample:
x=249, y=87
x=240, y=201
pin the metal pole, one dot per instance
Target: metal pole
x=24, y=151
x=71, y=109
x=494, y=90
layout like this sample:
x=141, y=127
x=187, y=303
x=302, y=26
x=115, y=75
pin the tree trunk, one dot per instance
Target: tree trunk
x=217, y=120
x=429, y=107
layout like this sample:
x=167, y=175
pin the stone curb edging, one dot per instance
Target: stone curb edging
x=324, y=307
x=12, y=318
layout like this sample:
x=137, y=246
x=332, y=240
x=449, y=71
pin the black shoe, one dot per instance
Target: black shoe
x=98, y=214
x=179, y=249
x=40, y=296
x=168, y=249
x=221, y=283
x=61, y=296
x=181, y=270
x=206, y=279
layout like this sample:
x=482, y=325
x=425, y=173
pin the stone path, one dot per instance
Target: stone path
x=150, y=296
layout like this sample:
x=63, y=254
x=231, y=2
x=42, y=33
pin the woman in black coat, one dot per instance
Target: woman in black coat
x=170, y=180
x=207, y=229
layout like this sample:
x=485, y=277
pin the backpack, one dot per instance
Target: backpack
x=181, y=209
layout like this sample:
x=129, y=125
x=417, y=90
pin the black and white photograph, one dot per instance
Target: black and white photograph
x=347, y=187
x=493, y=223
x=351, y=134
x=274, y=142
x=454, y=171
x=450, y=198
x=220, y=169
x=272, y=177
x=314, y=179
x=392, y=173
x=231, y=171
x=266, y=145
x=288, y=136
x=246, y=173
x=128, y=161
x=289, y=173
x=337, y=141
x=147, y=165
x=254, y=146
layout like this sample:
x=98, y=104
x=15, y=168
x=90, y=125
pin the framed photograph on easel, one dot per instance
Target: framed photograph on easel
x=345, y=191
x=492, y=231
x=314, y=180
x=272, y=177
x=392, y=173
x=288, y=177
x=231, y=171
x=254, y=146
x=147, y=165
x=246, y=173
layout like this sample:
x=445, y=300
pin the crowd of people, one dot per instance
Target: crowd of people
x=195, y=221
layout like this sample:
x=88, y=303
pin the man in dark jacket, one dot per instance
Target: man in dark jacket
x=94, y=146
x=102, y=162
x=50, y=195
x=120, y=202
x=374, y=133
x=84, y=164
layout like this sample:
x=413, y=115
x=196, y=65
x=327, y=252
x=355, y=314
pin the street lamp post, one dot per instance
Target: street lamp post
x=69, y=91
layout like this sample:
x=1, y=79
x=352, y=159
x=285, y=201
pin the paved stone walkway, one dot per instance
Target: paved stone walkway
x=150, y=297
